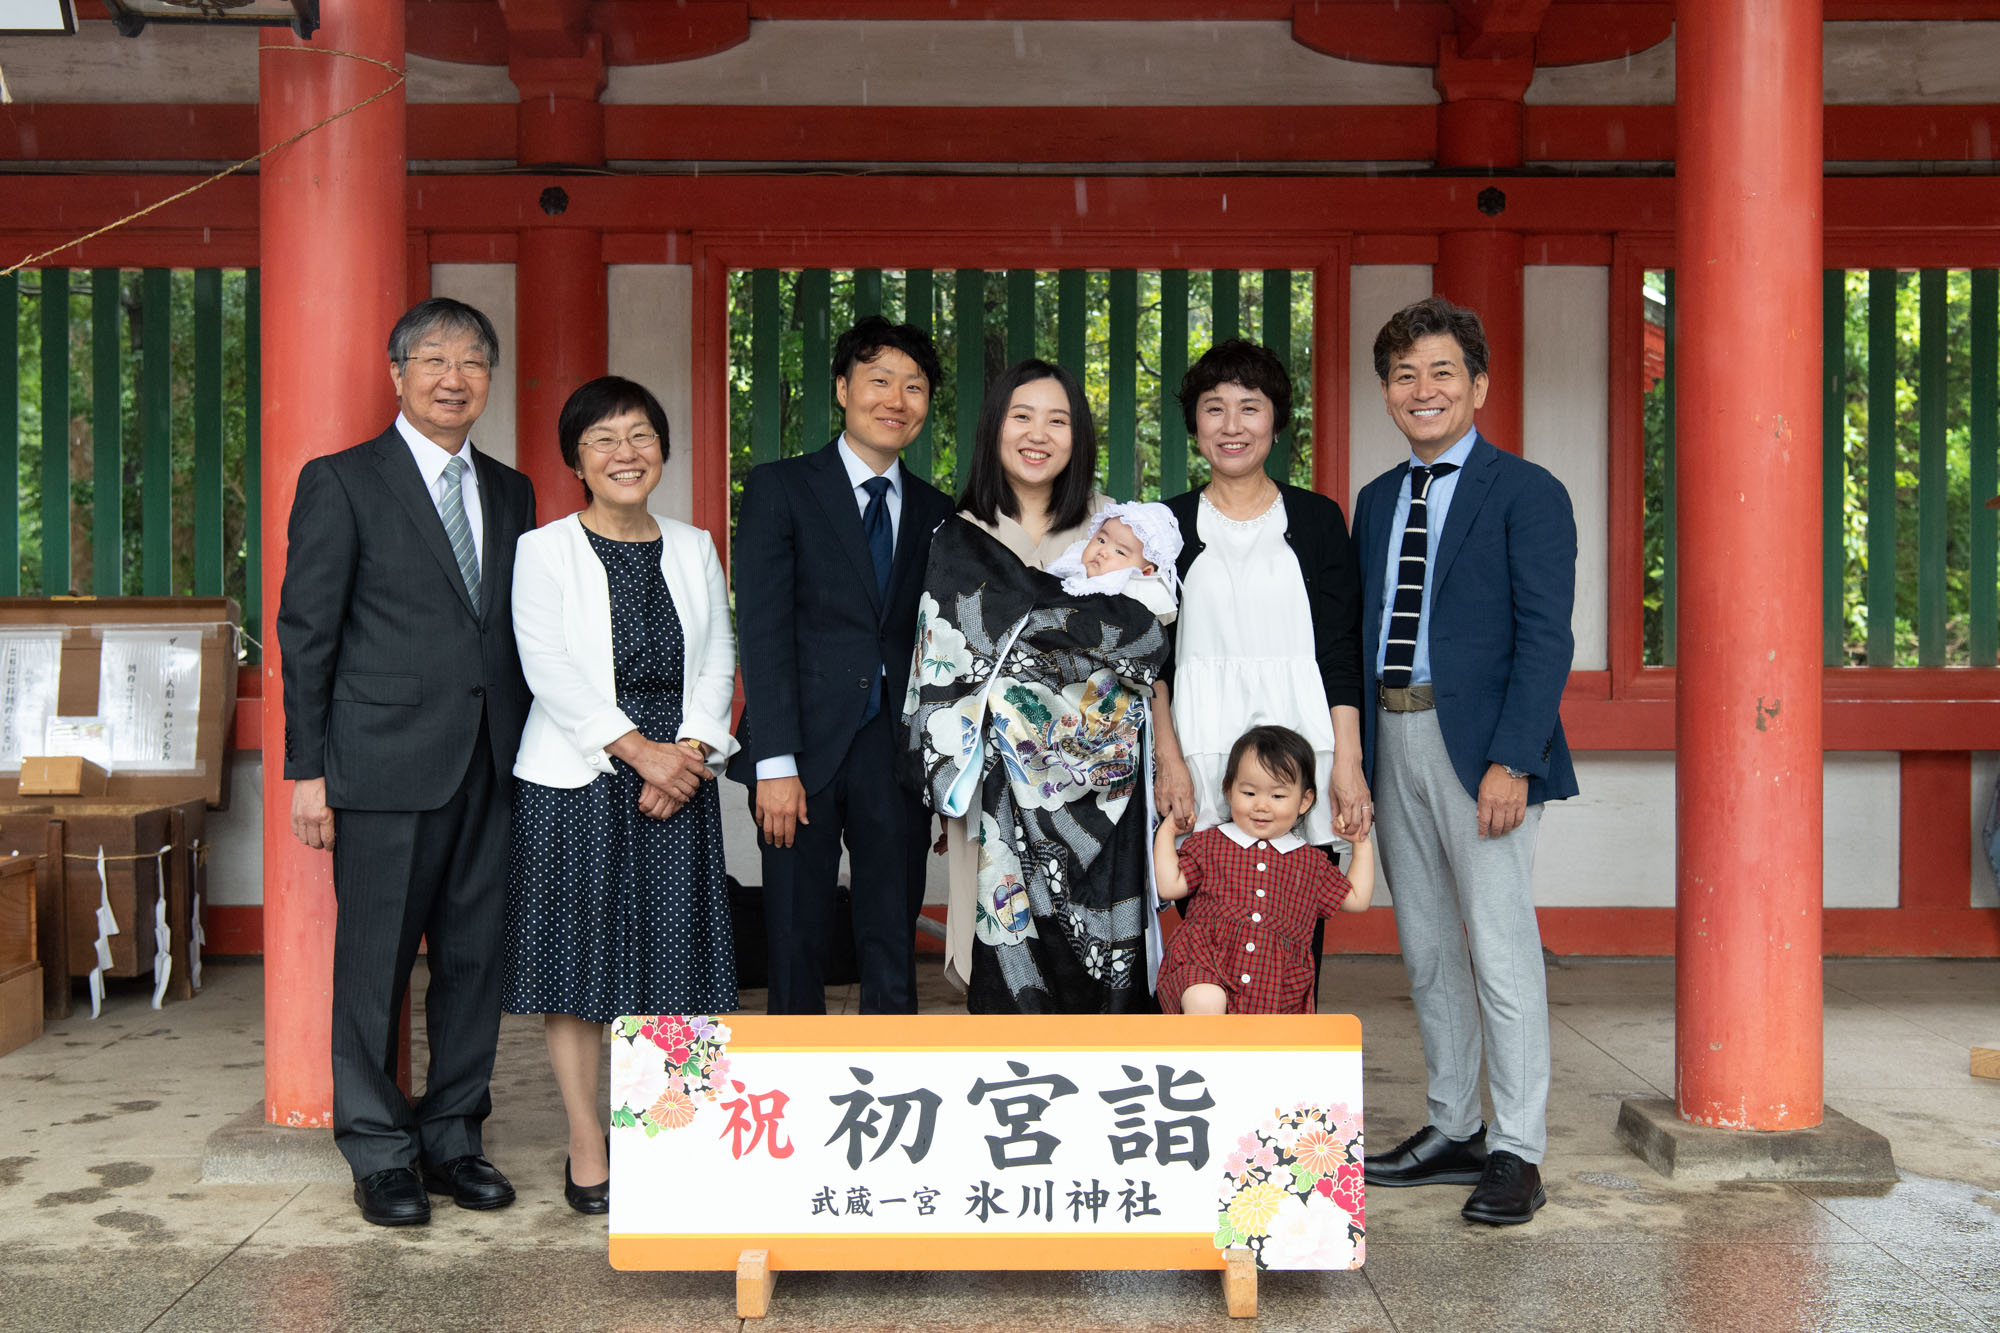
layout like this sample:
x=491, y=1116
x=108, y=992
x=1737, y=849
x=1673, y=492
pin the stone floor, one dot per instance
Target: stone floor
x=106, y=1224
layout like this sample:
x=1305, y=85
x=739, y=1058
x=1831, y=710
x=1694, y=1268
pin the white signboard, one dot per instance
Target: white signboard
x=149, y=686
x=970, y=1142
x=30, y=662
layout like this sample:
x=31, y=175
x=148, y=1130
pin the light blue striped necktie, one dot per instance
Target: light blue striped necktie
x=451, y=507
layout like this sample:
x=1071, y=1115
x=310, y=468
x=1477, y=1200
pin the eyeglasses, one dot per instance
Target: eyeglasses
x=642, y=440
x=436, y=367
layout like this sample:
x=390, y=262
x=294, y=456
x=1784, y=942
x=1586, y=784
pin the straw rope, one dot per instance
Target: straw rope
x=287, y=142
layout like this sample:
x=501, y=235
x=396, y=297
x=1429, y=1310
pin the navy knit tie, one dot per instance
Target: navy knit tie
x=1406, y=612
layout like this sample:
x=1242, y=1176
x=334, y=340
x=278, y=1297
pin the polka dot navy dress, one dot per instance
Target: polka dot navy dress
x=610, y=912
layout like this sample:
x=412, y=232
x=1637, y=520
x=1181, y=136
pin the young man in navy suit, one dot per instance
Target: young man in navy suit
x=829, y=563
x=1468, y=575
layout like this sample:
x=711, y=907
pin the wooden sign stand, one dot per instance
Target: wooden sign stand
x=1986, y=1059
x=755, y=1279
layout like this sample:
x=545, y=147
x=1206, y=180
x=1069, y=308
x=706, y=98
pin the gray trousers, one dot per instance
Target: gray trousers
x=1465, y=914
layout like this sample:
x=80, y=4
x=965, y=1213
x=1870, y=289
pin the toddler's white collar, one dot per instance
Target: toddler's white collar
x=1291, y=842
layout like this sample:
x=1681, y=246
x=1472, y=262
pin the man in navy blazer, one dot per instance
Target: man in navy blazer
x=1462, y=742
x=404, y=703
x=829, y=564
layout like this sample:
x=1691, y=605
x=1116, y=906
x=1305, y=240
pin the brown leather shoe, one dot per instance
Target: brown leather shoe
x=471, y=1181
x=1508, y=1194
x=1427, y=1157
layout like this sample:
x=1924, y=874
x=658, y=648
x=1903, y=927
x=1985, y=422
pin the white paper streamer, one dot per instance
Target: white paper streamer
x=107, y=926
x=197, y=935
x=163, y=939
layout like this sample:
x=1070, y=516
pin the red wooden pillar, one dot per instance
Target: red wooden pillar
x=1480, y=126
x=561, y=309
x=1482, y=269
x=1749, y=765
x=331, y=250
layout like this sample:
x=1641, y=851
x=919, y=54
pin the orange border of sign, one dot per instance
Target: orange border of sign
x=970, y=1251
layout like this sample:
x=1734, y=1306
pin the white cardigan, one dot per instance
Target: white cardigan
x=562, y=622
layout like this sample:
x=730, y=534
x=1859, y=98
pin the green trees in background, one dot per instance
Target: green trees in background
x=797, y=305
x=1956, y=402
x=169, y=319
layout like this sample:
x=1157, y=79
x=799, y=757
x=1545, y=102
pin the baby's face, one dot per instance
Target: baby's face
x=1114, y=547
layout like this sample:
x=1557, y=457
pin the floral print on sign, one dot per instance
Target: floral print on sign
x=661, y=1064
x=1291, y=1190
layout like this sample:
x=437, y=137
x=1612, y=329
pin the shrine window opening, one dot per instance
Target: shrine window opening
x=1910, y=457
x=133, y=442
x=1128, y=334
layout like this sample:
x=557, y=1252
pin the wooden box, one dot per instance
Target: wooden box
x=132, y=837
x=20, y=973
x=61, y=775
x=81, y=620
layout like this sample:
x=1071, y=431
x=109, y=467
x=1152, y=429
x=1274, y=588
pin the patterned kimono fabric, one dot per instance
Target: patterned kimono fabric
x=1027, y=705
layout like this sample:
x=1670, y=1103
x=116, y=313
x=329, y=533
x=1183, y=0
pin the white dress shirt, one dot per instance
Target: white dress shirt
x=858, y=474
x=431, y=459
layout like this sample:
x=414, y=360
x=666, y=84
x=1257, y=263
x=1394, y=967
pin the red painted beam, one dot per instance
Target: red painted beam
x=1040, y=135
x=1648, y=932
x=1602, y=932
x=1103, y=221
x=481, y=132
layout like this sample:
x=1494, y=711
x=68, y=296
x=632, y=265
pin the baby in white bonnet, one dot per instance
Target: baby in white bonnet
x=1129, y=548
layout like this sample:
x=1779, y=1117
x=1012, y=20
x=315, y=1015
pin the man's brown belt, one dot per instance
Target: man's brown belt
x=1415, y=699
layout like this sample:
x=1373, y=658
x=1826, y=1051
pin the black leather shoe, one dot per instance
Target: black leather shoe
x=586, y=1198
x=393, y=1198
x=471, y=1181
x=1508, y=1194
x=1427, y=1157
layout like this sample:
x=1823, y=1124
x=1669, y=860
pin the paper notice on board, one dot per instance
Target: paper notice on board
x=149, y=685
x=29, y=663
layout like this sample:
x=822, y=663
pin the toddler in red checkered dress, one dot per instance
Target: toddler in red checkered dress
x=1245, y=946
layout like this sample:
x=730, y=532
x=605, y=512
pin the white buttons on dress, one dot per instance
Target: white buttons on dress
x=1246, y=977
x=1256, y=916
x=1260, y=893
x=1260, y=847
x=1260, y=865
x=1250, y=948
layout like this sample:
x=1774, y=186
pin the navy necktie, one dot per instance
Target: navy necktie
x=1406, y=612
x=881, y=535
x=880, y=532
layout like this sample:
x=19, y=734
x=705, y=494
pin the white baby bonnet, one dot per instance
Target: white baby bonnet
x=1159, y=537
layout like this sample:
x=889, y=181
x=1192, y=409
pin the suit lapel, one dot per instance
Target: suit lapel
x=916, y=521
x=496, y=543
x=1474, y=484
x=828, y=483
x=400, y=475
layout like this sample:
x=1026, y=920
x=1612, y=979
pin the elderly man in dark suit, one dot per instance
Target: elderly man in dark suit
x=829, y=563
x=403, y=707
x=1468, y=571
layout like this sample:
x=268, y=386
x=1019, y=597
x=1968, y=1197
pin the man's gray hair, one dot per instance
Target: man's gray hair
x=441, y=315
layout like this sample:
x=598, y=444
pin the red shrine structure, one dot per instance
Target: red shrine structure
x=603, y=166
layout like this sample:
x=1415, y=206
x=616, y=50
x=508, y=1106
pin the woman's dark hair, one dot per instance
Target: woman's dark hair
x=599, y=399
x=871, y=333
x=987, y=494
x=1284, y=753
x=1238, y=361
x=1432, y=315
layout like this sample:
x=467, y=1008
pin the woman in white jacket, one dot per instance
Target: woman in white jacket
x=617, y=901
